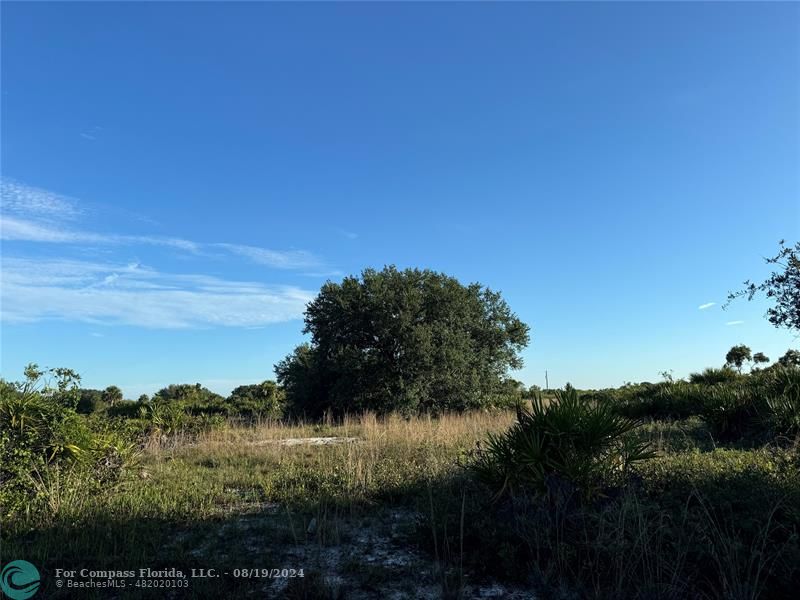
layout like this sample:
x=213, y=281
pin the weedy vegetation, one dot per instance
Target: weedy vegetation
x=446, y=479
x=568, y=496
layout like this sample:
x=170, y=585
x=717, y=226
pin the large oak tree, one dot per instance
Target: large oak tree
x=407, y=341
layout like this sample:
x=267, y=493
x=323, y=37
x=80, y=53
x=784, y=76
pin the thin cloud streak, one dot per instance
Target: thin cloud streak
x=284, y=259
x=706, y=305
x=34, y=289
x=72, y=290
x=734, y=323
x=36, y=215
x=350, y=235
x=13, y=229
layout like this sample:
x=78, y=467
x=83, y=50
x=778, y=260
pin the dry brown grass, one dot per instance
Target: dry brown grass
x=448, y=430
x=386, y=456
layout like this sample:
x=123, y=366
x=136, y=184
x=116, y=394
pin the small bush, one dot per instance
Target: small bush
x=734, y=412
x=48, y=452
x=713, y=376
x=756, y=408
x=586, y=443
x=784, y=407
x=665, y=400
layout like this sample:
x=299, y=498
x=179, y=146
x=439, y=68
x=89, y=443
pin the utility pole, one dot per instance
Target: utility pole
x=546, y=382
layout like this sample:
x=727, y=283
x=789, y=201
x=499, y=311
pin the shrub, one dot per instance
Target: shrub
x=755, y=408
x=665, y=400
x=712, y=376
x=89, y=401
x=751, y=408
x=586, y=443
x=125, y=408
x=165, y=416
x=784, y=408
x=49, y=452
x=733, y=412
x=194, y=399
x=265, y=400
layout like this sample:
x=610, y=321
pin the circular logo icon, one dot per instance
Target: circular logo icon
x=19, y=580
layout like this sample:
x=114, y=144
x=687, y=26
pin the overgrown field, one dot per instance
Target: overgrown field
x=424, y=507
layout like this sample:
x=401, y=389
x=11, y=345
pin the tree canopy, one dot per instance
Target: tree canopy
x=195, y=398
x=111, y=395
x=790, y=359
x=407, y=341
x=263, y=399
x=737, y=356
x=760, y=358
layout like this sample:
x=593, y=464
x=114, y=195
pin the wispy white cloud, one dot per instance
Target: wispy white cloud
x=12, y=228
x=331, y=273
x=350, y=235
x=18, y=198
x=91, y=133
x=706, y=305
x=36, y=290
x=287, y=259
x=35, y=215
x=734, y=323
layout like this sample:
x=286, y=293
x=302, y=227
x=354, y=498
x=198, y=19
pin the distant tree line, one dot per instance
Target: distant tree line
x=260, y=400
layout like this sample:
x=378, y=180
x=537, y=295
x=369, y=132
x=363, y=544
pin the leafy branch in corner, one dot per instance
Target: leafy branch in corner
x=783, y=286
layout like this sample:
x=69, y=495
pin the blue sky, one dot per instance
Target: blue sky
x=179, y=179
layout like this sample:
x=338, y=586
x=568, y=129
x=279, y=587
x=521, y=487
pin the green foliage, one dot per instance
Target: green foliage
x=586, y=443
x=42, y=435
x=759, y=358
x=717, y=524
x=301, y=376
x=405, y=341
x=195, y=399
x=127, y=409
x=742, y=409
x=737, y=356
x=165, y=416
x=756, y=408
x=711, y=375
x=790, y=359
x=168, y=417
x=263, y=400
x=782, y=287
x=733, y=411
x=189, y=406
x=111, y=395
x=674, y=400
x=784, y=407
x=89, y=401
